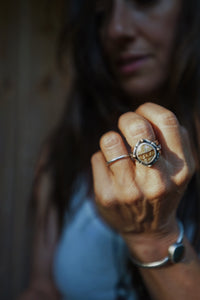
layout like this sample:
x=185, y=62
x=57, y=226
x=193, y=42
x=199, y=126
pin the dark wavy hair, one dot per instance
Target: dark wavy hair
x=94, y=104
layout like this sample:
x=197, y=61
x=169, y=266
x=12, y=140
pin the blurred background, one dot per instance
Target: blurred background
x=32, y=93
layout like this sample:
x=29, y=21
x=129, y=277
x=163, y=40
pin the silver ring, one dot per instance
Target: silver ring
x=118, y=158
x=147, y=152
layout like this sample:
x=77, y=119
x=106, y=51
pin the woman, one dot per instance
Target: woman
x=135, y=80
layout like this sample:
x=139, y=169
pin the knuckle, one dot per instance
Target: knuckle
x=159, y=188
x=135, y=125
x=185, y=175
x=157, y=192
x=125, y=180
x=106, y=198
x=139, y=128
x=131, y=194
x=126, y=197
x=110, y=139
x=109, y=202
x=124, y=118
x=168, y=119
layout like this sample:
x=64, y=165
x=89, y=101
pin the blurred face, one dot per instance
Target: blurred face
x=138, y=38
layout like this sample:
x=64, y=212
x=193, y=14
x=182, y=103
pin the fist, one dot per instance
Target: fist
x=131, y=197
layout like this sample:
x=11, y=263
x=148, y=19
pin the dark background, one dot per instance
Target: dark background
x=32, y=93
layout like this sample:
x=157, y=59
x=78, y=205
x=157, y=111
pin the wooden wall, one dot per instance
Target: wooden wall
x=32, y=94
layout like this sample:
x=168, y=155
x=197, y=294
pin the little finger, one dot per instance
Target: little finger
x=102, y=181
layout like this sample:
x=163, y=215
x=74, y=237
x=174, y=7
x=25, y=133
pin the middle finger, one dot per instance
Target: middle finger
x=134, y=128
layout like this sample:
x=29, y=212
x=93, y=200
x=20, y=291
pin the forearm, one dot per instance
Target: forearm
x=172, y=281
x=177, y=281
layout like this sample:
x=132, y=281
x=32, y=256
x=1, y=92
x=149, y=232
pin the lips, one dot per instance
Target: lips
x=131, y=63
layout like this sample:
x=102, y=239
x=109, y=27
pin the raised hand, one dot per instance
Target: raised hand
x=132, y=198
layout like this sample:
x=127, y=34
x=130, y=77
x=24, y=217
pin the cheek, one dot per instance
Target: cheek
x=162, y=37
x=161, y=28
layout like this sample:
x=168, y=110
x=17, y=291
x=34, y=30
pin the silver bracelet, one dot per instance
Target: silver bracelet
x=175, y=253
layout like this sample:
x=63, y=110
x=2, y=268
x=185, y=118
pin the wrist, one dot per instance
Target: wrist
x=150, y=247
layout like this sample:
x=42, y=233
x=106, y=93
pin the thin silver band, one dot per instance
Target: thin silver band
x=118, y=158
x=166, y=259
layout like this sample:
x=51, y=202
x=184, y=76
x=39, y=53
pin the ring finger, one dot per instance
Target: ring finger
x=114, y=149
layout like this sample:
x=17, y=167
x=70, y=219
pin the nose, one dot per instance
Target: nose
x=120, y=25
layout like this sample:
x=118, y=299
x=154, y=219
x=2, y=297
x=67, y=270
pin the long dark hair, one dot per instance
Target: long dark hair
x=94, y=104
